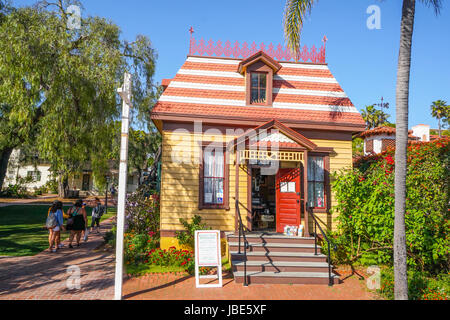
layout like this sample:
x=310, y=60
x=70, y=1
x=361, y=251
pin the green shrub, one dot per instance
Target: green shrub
x=137, y=246
x=142, y=211
x=52, y=186
x=365, y=209
x=18, y=190
x=41, y=190
x=187, y=237
x=420, y=287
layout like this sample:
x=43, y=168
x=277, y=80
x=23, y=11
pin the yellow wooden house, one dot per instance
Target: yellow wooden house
x=257, y=134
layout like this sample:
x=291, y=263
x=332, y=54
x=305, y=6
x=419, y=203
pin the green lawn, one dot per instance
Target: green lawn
x=21, y=229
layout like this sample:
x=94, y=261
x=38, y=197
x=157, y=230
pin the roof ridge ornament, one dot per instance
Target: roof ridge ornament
x=238, y=51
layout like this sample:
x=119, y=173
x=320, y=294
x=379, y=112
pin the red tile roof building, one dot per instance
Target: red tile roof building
x=379, y=139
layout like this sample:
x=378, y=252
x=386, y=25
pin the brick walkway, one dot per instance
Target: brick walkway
x=182, y=287
x=45, y=276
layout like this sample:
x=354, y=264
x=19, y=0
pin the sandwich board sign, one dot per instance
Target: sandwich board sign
x=207, y=254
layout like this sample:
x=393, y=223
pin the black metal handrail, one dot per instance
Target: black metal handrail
x=246, y=245
x=316, y=224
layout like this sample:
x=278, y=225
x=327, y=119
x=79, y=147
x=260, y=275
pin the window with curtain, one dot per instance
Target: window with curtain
x=213, y=177
x=258, y=87
x=316, y=182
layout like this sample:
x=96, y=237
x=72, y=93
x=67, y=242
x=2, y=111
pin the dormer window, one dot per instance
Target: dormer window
x=258, y=88
x=259, y=71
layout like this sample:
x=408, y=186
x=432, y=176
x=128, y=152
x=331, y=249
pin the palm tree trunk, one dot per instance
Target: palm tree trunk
x=440, y=130
x=402, y=102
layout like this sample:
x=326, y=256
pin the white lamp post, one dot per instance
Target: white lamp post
x=125, y=93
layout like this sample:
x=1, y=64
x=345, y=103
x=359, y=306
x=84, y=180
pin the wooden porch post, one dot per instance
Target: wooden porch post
x=305, y=201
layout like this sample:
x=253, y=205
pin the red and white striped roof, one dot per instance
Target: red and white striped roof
x=212, y=87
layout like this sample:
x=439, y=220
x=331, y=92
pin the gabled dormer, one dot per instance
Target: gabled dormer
x=259, y=70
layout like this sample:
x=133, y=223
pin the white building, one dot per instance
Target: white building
x=83, y=181
x=379, y=139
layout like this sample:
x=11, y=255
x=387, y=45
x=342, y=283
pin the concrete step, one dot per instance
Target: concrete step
x=267, y=277
x=271, y=238
x=281, y=266
x=280, y=247
x=278, y=256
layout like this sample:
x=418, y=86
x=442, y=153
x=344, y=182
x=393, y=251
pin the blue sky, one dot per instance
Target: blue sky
x=363, y=61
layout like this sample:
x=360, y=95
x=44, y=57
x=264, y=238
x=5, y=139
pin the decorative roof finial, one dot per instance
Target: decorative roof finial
x=191, y=31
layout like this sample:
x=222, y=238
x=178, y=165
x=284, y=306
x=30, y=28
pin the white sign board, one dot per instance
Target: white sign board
x=207, y=254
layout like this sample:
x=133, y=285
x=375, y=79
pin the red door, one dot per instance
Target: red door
x=288, y=198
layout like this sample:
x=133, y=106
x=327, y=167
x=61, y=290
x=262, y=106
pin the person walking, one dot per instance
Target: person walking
x=97, y=213
x=85, y=232
x=55, y=223
x=77, y=222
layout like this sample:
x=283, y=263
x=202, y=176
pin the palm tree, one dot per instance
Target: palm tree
x=440, y=110
x=295, y=12
x=373, y=117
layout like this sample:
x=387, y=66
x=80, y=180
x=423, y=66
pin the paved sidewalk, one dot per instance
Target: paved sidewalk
x=46, y=276
x=182, y=287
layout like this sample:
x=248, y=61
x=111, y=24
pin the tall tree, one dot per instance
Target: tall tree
x=441, y=111
x=402, y=111
x=61, y=82
x=295, y=12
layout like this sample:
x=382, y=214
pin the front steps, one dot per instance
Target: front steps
x=275, y=258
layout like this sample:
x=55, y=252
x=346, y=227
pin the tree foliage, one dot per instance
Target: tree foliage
x=441, y=111
x=374, y=117
x=365, y=197
x=58, y=84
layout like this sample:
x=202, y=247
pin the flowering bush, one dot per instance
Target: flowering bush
x=142, y=211
x=365, y=197
x=172, y=257
x=136, y=246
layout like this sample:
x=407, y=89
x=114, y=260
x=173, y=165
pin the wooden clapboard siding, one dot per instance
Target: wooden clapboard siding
x=180, y=183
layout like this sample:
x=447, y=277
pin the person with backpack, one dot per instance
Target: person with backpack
x=77, y=222
x=97, y=213
x=55, y=224
x=64, y=216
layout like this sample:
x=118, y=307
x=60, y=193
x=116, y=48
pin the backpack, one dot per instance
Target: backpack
x=101, y=211
x=51, y=221
x=98, y=211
